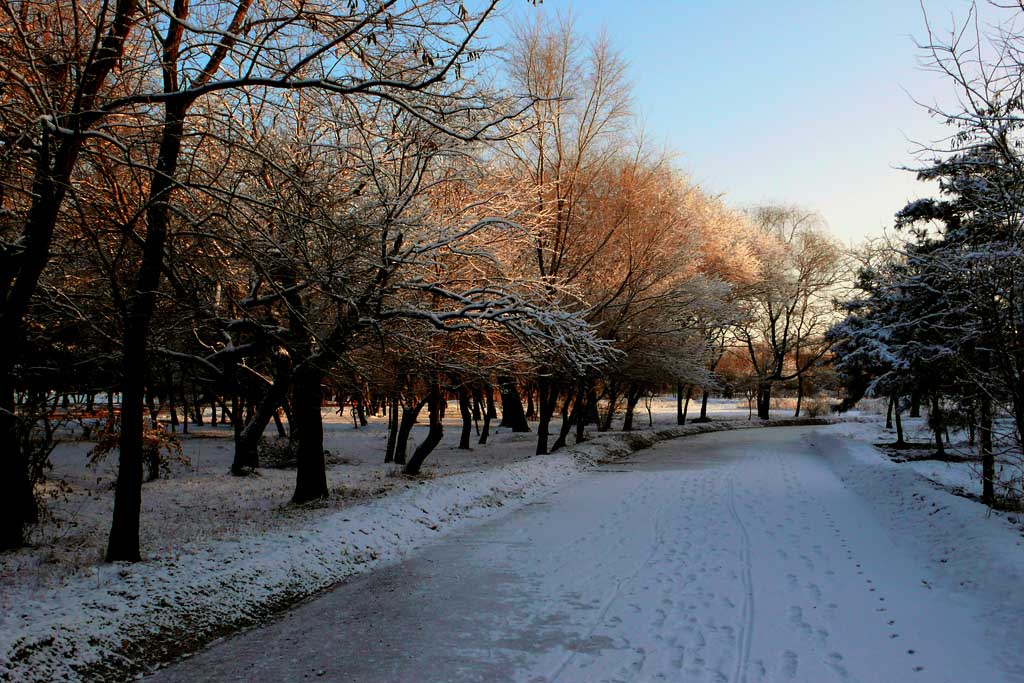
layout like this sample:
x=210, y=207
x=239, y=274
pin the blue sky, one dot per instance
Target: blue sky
x=794, y=101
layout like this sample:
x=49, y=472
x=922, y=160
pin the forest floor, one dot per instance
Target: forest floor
x=223, y=552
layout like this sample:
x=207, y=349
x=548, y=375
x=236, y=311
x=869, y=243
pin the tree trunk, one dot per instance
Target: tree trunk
x=587, y=410
x=613, y=398
x=680, y=413
x=915, y=404
x=935, y=418
x=361, y=412
x=478, y=402
x=512, y=414
x=18, y=506
x=764, y=400
x=197, y=411
x=492, y=410
x=900, y=443
x=123, y=544
x=799, y=394
x=236, y=414
x=185, y=408
x=547, y=397
x=489, y=413
x=54, y=166
x=972, y=424
x=888, y=414
x=988, y=461
x=307, y=400
x=389, y=453
x=151, y=407
x=409, y=415
x=632, y=398
x=434, y=434
x=568, y=417
x=172, y=402
x=681, y=417
x=248, y=439
x=466, y=413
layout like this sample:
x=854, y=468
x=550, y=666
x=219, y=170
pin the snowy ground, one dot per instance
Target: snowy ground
x=200, y=505
x=760, y=555
x=222, y=552
x=962, y=477
x=230, y=552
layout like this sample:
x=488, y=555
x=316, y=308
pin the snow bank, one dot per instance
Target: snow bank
x=123, y=617
x=973, y=550
x=610, y=446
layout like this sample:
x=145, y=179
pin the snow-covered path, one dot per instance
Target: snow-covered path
x=736, y=556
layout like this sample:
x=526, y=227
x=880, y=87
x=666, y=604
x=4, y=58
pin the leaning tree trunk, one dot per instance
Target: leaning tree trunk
x=281, y=432
x=512, y=414
x=248, y=439
x=434, y=434
x=569, y=418
x=888, y=414
x=492, y=410
x=478, y=402
x=632, y=398
x=703, y=417
x=409, y=415
x=681, y=414
x=307, y=400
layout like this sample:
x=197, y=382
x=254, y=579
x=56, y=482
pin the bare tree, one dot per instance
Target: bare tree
x=789, y=307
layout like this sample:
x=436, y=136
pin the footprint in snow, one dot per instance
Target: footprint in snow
x=790, y=664
x=835, y=660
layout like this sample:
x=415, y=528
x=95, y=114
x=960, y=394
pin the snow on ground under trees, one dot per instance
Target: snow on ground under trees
x=223, y=552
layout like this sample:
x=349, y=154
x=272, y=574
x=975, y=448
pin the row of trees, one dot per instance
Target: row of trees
x=939, y=315
x=256, y=205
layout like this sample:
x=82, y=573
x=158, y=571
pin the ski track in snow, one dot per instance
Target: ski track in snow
x=737, y=557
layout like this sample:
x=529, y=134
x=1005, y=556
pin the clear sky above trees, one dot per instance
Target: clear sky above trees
x=797, y=101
